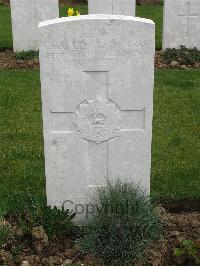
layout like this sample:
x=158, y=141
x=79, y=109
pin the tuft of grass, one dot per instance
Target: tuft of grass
x=15, y=250
x=56, y=222
x=6, y=235
x=27, y=55
x=188, y=250
x=33, y=213
x=123, y=225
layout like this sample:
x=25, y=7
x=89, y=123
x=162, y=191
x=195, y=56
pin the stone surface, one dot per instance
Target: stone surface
x=97, y=75
x=25, y=20
x=25, y=263
x=181, y=23
x=113, y=7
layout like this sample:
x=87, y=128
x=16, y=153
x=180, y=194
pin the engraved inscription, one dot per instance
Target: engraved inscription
x=84, y=50
x=98, y=121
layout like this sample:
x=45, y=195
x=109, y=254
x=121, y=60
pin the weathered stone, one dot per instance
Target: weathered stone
x=183, y=67
x=181, y=23
x=174, y=64
x=19, y=233
x=38, y=233
x=67, y=262
x=70, y=253
x=25, y=263
x=25, y=20
x=112, y=7
x=97, y=75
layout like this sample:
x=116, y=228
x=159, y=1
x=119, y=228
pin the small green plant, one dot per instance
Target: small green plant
x=15, y=250
x=123, y=225
x=34, y=212
x=27, y=55
x=6, y=235
x=184, y=56
x=188, y=250
x=55, y=221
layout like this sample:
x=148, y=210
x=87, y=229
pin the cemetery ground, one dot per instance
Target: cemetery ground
x=175, y=176
x=175, y=160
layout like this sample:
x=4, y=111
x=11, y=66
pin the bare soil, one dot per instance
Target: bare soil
x=5, y=2
x=8, y=60
x=38, y=250
x=185, y=205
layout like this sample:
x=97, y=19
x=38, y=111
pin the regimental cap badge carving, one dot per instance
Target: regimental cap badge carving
x=98, y=121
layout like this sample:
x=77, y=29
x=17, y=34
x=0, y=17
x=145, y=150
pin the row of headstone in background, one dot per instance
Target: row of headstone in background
x=97, y=75
x=181, y=20
x=26, y=15
x=112, y=7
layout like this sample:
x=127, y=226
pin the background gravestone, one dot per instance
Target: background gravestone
x=26, y=15
x=181, y=23
x=97, y=75
x=115, y=7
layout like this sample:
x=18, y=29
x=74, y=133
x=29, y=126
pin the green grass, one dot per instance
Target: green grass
x=176, y=143
x=176, y=139
x=21, y=149
x=5, y=28
x=156, y=14
x=152, y=12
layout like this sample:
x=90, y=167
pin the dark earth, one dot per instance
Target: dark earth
x=8, y=60
x=38, y=250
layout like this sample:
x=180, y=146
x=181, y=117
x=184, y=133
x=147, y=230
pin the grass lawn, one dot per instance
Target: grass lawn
x=5, y=28
x=21, y=149
x=156, y=14
x=151, y=12
x=176, y=151
x=176, y=139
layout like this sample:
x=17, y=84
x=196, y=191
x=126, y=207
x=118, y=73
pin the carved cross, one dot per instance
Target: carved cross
x=99, y=122
x=112, y=6
x=35, y=10
x=188, y=16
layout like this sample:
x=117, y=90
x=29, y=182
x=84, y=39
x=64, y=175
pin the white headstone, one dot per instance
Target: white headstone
x=113, y=7
x=181, y=23
x=97, y=74
x=26, y=15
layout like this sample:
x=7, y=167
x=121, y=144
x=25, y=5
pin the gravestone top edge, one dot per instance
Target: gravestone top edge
x=94, y=17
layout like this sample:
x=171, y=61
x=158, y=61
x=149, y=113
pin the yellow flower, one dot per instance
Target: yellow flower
x=70, y=12
x=78, y=13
